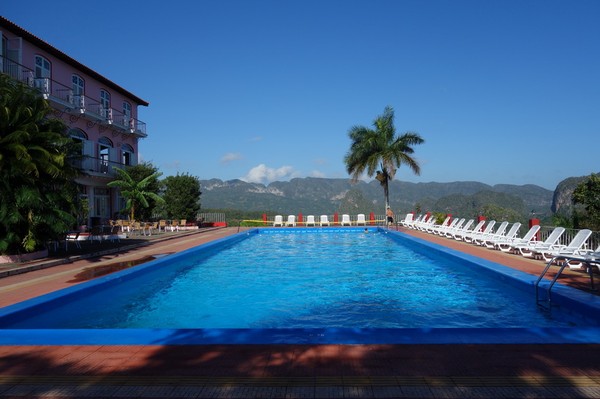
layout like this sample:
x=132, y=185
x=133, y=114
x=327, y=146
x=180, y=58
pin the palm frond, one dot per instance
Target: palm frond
x=380, y=148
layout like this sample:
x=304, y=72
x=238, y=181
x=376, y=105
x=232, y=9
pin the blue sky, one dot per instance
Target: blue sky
x=264, y=90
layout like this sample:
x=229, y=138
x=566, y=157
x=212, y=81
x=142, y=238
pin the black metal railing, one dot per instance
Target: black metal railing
x=97, y=166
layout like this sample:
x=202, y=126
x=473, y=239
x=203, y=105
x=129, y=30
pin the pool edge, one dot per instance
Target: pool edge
x=576, y=335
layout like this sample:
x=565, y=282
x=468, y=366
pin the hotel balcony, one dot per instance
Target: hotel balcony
x=62, y=98
x=97, y=167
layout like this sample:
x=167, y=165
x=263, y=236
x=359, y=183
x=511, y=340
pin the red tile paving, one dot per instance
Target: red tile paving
x=409, y=371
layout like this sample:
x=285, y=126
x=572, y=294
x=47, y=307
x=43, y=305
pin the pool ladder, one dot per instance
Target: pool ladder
x=566, y=260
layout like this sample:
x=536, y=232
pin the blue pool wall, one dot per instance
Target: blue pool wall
x=561, y=296
x=35, y=306
x=587, y=304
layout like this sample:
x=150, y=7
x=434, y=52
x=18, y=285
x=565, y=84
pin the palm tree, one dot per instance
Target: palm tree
x=135, y=191
x=380, y=148
x=36, y=189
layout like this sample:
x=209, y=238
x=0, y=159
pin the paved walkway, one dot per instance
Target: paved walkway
x=286, y=371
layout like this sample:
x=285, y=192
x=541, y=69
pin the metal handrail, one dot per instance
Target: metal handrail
x=588, y=261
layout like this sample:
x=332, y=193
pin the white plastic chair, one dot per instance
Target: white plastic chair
x=291, y=221
x=346, y=220
x=360, y=219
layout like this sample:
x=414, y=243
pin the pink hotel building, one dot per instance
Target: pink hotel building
x=97, y=111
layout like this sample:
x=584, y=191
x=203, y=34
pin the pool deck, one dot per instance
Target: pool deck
x=285, y=371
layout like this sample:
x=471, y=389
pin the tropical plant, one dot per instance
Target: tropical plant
x=138, y=173
x=381, y=148
x=182, y=196
x=83, y=211
x=36, y=180
x=587, y=194
x=135, y=191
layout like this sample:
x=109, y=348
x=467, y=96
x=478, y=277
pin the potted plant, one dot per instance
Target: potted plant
x=83, y=213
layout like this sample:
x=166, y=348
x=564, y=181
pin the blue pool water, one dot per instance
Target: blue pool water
x=302, y=279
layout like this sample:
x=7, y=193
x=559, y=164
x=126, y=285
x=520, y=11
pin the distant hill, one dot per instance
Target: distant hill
x=321, y=195
x=561, y=201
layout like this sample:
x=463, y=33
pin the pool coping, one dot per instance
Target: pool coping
x=578, y=335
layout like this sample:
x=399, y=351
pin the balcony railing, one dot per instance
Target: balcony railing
x=97, y=166
x=64, y=97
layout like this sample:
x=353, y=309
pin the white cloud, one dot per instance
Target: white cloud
x=263, y=174
x=317, y=173
x=230, y=156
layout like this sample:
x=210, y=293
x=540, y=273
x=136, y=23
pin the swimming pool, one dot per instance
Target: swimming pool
x=403, y=289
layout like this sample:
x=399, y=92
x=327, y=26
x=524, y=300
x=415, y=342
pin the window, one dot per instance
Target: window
x=78, y=85
x=78, y=134
x=11, y=53
x=127, y=114
x=3, y=54
x=105, y=104
x=42, y=67
x=41, y=79
x=80, y=137
x=77, y=91
x=127, y=155
x=104, y=148
x=101, y=203
x=126, y=109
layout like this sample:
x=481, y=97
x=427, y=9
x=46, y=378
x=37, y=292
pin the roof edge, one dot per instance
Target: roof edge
x=69, y=60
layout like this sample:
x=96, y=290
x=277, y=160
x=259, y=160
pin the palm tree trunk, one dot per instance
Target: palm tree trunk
x=386, y=193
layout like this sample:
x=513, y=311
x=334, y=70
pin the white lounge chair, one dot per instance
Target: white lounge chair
x=361, y=220
x=425, y=223
x=507, y=244
x=433, y=228
x=324, y=221
x=480, y=240
x=585, y=260
x=571, y=249
x=455, y=226
x=528, y=250
x=408, y=220
x=310, y=220
x=475, y=234
x=418, y=221
x=490, y=242
x=461, y=233
x=442, y=230
x=278, y=221
x=291, y=221
x=346, y=220
x=458, y=227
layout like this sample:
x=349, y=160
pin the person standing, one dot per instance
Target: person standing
x=390, y=216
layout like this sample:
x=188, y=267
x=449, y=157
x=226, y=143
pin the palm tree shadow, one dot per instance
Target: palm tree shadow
x=100, y=368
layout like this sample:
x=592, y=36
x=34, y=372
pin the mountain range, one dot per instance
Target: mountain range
x=312, y=195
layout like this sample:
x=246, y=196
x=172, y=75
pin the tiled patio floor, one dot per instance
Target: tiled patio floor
x=289, y=371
